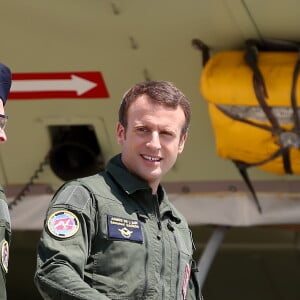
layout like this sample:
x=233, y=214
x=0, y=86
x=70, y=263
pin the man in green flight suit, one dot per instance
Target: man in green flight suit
x=5, y=228
x=115, y=235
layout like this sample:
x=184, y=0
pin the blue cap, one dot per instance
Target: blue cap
x=5, y=82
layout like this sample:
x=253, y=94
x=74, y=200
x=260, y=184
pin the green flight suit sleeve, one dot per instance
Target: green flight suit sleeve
x=61, y=260
x=5, y=236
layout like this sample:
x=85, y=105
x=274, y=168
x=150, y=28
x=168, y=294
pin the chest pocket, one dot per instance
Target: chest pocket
x=185, y=245
x=119, y=254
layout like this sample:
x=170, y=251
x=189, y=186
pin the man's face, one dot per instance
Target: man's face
x=152, y=140
x=3, y=137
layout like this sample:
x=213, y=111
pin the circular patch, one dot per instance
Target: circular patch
x=63, y=224
x=5, y=255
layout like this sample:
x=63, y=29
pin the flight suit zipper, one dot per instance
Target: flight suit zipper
x=143, y=219
x=160, y=237
x=157, y=212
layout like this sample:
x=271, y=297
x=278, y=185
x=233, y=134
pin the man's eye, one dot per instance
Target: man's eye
x=142, y=129
x=168, y=133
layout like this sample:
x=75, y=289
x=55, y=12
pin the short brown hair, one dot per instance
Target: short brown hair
x=160, y=92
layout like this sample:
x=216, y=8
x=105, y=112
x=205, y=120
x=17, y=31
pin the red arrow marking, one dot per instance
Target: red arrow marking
x=58, y=85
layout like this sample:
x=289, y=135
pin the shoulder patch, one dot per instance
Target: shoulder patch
x=63, y=224
x=4, y=255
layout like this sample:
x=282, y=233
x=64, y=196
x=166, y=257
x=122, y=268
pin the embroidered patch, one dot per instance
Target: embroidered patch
x=63, y=224
x=186, y=279
x=124, y=229
x=4, y=255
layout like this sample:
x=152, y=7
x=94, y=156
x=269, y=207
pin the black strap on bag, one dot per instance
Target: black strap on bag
x=251, y=58
x=294, y=96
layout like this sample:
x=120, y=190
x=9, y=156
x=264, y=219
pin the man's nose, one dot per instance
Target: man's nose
x=3, y=137
x=155, y=141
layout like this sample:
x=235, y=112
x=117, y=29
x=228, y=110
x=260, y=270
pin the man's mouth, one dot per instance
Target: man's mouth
x=151, y=158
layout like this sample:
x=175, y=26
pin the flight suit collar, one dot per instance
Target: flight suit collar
x=128, y=181
x=132, y=184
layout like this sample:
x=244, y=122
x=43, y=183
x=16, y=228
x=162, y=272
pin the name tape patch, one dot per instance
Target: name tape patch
x=124, y=229
x=63, y=224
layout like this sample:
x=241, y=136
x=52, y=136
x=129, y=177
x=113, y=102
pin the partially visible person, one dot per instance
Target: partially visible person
x=115, y=235
x=5, y=228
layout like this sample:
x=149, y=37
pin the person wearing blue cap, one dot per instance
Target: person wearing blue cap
x=5, y=227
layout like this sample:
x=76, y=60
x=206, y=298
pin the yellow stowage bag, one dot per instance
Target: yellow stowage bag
x=227, y=80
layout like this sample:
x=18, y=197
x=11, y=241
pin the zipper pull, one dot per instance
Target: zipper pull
x=170, y=226
x=159, y=225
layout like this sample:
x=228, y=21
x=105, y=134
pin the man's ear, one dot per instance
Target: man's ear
x=120, y=132
x=182, y=142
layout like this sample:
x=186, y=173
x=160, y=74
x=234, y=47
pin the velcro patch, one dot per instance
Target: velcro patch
x=63, y=224
x=4, y=255
x=124, y=229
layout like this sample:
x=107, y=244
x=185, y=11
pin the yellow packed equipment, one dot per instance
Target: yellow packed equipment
x=252, y=98
x=251, y=106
